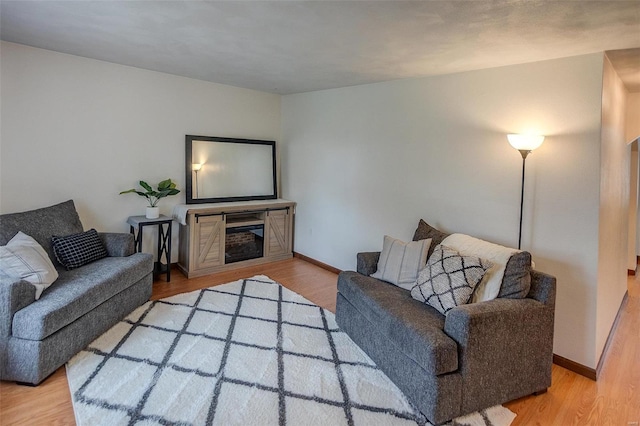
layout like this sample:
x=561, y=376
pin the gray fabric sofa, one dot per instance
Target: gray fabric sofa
x=38, y=336
x=478, y=356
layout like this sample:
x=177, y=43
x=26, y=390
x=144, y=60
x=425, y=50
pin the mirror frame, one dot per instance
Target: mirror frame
x=189, y=161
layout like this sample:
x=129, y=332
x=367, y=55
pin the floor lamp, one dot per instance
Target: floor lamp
x=196, y=168
x=525, y=144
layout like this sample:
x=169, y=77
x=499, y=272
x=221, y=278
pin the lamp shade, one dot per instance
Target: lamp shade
x=196, y=167
x=525, y=142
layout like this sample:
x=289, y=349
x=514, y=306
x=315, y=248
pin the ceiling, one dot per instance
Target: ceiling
x=627, y=65
x=299, y=46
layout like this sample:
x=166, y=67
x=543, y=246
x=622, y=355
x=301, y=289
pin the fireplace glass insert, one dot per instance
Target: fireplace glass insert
x=244, y=243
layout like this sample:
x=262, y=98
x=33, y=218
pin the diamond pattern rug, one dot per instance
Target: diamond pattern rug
x=250, y=352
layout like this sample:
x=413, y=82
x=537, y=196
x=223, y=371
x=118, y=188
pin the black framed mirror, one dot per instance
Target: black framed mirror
x=227, y=169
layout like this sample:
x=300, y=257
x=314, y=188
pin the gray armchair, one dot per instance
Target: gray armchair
x=38, y=336
x=477, y=356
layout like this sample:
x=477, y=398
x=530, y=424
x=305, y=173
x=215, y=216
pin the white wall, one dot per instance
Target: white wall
x=632, y=122
x=632, y=249
x=361, y=162
x=632, y=127
x=371, y=160
x=84, y=129
x=614, y=204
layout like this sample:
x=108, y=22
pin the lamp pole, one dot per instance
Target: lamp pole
x=524, y=153
x=524, y=144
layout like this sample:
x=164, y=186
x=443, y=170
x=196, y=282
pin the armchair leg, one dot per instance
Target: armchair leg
x=33, y=385
x=540, y=392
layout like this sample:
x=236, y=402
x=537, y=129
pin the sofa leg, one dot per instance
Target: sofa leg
x=540, y=392
x=33, y=385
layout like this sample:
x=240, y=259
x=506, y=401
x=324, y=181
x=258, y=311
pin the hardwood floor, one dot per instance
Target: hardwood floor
x=571, y=400
x=613, y=400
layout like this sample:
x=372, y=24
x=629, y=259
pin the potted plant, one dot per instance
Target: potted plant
x=165, y=188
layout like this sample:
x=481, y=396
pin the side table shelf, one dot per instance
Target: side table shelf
x=164, y=240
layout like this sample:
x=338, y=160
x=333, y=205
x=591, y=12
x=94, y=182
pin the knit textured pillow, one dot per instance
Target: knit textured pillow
x=76, y=250
x=449, y=279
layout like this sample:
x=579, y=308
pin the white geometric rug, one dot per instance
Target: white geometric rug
x=249, y=352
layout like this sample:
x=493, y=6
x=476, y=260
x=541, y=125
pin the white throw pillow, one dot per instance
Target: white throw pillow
x=24, y=258
x=466, y=245
x=400, y=262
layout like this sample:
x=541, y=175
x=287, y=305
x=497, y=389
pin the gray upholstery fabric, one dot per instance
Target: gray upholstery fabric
x=42, y=224
x=118, y=244
x=414, y=328
x=31, y=361
x=37, y=337
x=78, y=291
x=504, y=347
x=424, y=231
x=15, y=294
x=437, y=397
x=517, y=276
x=543, y=289
x=368, y=262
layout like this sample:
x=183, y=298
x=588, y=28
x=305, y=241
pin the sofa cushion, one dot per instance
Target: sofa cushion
x=42, y=224
x=367, y=262
x=448, y=279
x=400, y=262
x=517, y=276
x=118, y=244
x=24, y=258
x=425, y=231
x=77, y=292
x=489, y=287
x=414, y=328
x=75, y=250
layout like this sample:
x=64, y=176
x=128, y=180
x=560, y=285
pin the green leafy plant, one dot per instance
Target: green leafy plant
x=165, y=188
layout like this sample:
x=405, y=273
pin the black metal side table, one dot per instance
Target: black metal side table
x=164, y=240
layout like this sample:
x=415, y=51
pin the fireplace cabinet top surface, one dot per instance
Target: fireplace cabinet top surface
x=181, y=211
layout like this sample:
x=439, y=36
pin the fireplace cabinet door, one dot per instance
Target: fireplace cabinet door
x=277, y=228
x=209, y=242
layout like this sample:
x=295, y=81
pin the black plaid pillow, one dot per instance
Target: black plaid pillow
x=75, y=250
x=449, y=279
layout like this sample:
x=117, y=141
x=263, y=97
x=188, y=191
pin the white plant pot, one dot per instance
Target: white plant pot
x=153, y=212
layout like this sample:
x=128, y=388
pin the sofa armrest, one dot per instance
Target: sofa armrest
x=15, y=294
x=505, y=349
x=368, y=262
x=494, y=320
x=118, y=244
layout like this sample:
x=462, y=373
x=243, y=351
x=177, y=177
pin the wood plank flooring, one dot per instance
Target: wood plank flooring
x=571, y=400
